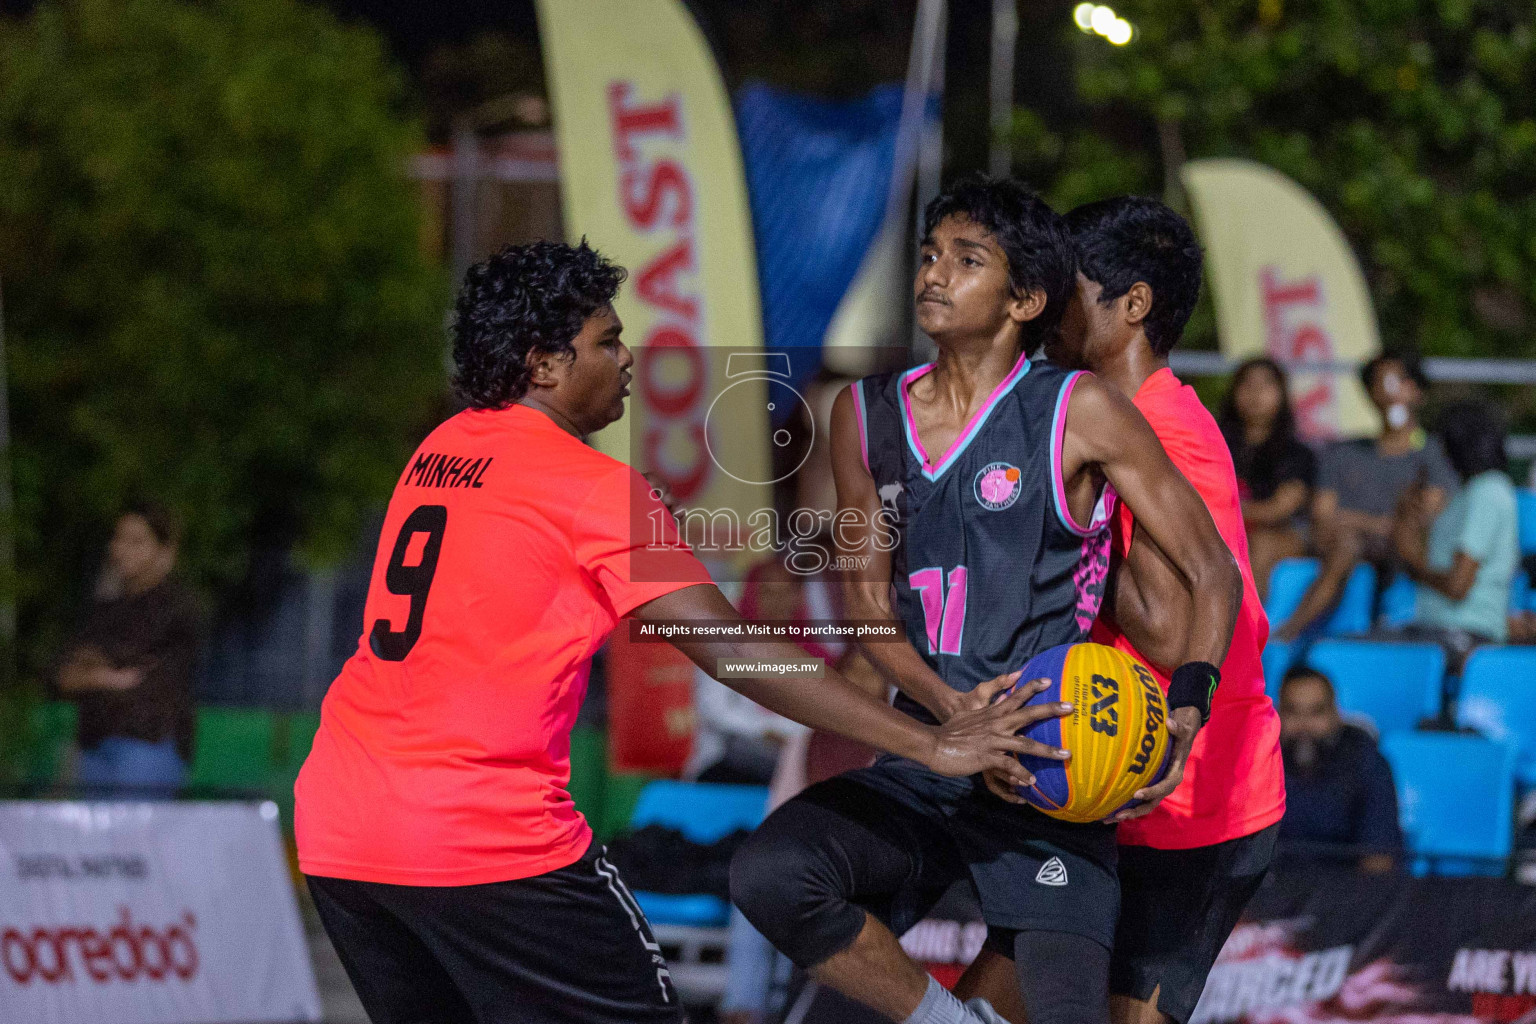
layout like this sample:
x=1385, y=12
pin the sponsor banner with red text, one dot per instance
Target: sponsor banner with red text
x=651, y=176
x=1337, y=947
x=1286, y=285
x=1327, y=946
x=149, y=913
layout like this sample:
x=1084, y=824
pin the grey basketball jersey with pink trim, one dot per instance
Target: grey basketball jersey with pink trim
x=989, y=567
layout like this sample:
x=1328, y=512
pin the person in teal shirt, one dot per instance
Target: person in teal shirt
x=1465, y=562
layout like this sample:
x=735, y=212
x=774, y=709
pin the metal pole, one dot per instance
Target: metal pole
x=465, y=195
x=1005, y=38
x=932, y=26
x=319, y=632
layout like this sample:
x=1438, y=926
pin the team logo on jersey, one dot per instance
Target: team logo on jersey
x=1052, y=872
x=998, y=486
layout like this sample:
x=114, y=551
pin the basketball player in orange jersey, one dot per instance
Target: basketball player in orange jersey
x=993, y=470
x=453, y=874
x=1188, y=865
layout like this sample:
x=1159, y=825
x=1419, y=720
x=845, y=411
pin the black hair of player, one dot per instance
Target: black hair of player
x=1282, y=432
x=1030, y=233
x=1403, y=356
x=1296, y=673
x=162, y=522
x=1474, y=434
x=524, y=299
x=1128, y=239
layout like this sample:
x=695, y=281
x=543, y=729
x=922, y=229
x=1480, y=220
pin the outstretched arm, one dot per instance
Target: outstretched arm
x=1105, y=430
x=974, y=740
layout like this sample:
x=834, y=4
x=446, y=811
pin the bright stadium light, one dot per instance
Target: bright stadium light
x=1119, y=33
x=1102, y=20
x=1083, y=15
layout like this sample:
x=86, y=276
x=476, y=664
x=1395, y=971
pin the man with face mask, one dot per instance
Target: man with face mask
x=1360, y=482
x=1339, y=797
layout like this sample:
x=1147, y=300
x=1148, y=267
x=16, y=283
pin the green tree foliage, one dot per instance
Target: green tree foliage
x=214, y=289
x=1412, y=121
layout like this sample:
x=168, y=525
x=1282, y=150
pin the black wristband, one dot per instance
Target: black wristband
x=1194, y=686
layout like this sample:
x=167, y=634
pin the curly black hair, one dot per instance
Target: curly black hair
x=526, y=298
x=1133, y=238
x=1031, y=234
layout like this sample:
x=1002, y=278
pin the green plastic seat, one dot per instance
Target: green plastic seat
x=234, y=750
x=51, y=729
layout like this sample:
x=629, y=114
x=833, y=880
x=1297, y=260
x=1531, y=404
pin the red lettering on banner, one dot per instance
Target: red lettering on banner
x=54, y=942
x=1312, y=404
x=12, y=943
x=125, y=951
x=1294, y=332
x=666, y=178
x=657, y=281
x=645, y=119
x=1504, y=1009
x=654, y=193
x=675, y=401
x=97, y=953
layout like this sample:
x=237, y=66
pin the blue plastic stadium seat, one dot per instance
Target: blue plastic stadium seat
x=1520, y=592
x=699, y=910
x=1456, y=800
x=1393, y=685
x=1398, y=601
x=1498, y=699
x=1289, y=579
x=1353, y=614
x=1278, y=658
x=705, y=812
x=1292, y=576
x=1527, y=506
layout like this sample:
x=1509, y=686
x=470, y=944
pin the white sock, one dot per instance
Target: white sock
x=939, y=1006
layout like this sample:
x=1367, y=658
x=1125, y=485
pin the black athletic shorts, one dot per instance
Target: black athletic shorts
x=568, y=946
x=1177, y=908
x=1031, y=871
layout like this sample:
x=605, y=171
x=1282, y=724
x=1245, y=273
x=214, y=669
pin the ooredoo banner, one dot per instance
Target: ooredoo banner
x=149, y=913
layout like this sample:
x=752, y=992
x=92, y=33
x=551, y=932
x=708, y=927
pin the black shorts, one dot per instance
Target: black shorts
x=1177, y=908
x=1030, y=871
x=566, y=946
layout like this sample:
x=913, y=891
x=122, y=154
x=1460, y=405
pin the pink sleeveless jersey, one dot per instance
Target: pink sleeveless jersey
x=1233, y=784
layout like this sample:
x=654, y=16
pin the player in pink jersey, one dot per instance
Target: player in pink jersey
x=1190, y=861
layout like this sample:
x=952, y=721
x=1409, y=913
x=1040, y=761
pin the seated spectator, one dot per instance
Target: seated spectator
x=1339, y=800
x=1465, y=559
x=131, y=667
x=1275, y=470
x=1359, y=484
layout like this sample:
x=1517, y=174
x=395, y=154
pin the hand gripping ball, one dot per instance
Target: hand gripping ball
x=1117, y=732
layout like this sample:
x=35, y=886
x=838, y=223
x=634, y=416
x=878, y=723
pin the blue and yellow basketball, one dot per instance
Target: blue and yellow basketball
x=1117, y=731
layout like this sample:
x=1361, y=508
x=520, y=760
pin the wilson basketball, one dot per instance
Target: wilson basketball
x=1117, y=731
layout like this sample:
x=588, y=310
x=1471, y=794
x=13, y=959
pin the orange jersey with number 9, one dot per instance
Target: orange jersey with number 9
x=509, y=552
